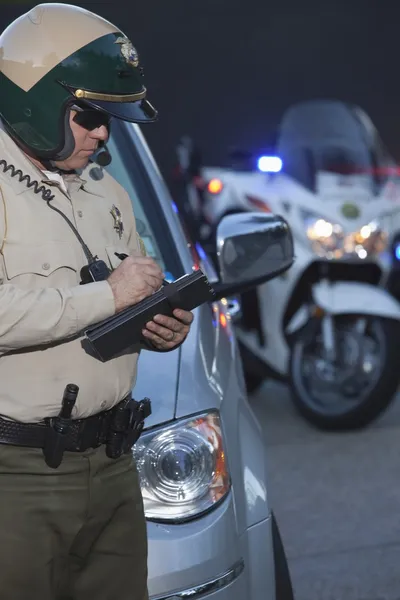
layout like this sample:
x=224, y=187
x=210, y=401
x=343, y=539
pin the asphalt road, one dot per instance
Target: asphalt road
x=337, y=500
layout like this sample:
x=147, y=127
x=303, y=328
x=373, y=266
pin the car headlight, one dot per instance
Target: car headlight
x=183, y=469
x=330, y=241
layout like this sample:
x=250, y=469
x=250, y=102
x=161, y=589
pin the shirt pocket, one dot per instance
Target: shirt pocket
x=49, y=263
x=112, y=250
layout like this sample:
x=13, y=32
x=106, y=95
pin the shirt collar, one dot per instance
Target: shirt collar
x=86, y=181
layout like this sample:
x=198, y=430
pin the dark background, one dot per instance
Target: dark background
x=225, y=70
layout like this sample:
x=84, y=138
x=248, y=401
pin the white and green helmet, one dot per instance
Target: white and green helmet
x=57, y=56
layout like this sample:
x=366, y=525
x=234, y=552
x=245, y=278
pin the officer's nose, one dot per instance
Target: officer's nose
x=100, y=133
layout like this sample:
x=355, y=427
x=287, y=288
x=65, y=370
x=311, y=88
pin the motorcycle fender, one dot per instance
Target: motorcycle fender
x=342, y=298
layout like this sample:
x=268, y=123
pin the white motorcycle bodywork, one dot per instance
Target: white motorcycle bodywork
x=280, y=194
x=313, y=135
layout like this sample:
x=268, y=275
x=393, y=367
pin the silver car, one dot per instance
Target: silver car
x=202, y=459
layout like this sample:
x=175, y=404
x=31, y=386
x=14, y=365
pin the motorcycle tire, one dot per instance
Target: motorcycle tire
x=373, y=405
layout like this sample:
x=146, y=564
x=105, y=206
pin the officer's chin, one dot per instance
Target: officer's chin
x=83, y=162
x=76, y=163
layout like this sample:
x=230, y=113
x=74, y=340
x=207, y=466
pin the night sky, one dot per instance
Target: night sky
x=225, y=70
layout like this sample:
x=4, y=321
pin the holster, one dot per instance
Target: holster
x=126, y=426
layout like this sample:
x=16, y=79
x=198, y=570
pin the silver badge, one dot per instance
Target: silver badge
x=118, y=224
x=128, y=51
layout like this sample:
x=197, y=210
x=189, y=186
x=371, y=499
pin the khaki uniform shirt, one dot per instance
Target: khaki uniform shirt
x=43, y=309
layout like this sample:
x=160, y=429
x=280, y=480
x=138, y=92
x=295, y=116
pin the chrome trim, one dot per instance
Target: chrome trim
x=199, y=591
x=85, y=95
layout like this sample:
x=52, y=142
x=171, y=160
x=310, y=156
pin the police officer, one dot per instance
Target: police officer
x=76, y=531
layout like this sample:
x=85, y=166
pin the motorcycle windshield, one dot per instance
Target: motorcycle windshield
x=327, y=142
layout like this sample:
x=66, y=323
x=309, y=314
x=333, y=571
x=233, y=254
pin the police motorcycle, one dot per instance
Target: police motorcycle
x=329, y=326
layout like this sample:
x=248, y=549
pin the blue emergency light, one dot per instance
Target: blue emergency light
x=269, y=164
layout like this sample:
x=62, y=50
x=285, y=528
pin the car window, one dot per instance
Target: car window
x=119, y=170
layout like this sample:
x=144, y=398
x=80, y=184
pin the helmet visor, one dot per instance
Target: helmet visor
x=134, y=108
x=140, y=111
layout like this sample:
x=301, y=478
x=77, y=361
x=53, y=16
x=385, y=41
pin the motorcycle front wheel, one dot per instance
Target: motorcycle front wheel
x=352, y=390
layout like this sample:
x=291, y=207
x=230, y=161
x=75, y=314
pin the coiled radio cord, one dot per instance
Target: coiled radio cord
x=47, y=195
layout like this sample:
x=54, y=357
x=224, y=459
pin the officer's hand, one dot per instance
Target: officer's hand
x=133, y=280
x=167, y=332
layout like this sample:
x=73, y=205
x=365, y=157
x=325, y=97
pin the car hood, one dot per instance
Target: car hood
x=158, y=380
x=194, y=377
x=206, y=361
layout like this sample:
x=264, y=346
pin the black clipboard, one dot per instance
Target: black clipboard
x=115, y=334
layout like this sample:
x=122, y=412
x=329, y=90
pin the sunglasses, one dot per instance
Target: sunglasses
x=91, y=119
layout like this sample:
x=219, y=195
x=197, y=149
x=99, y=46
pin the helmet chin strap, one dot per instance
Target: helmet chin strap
x=69, y=145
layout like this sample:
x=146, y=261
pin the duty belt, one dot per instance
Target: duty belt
x=118, y=428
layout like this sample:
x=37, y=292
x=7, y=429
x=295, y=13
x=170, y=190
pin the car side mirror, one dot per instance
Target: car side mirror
x=251, y=249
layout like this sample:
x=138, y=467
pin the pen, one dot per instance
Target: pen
x=122, y=256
